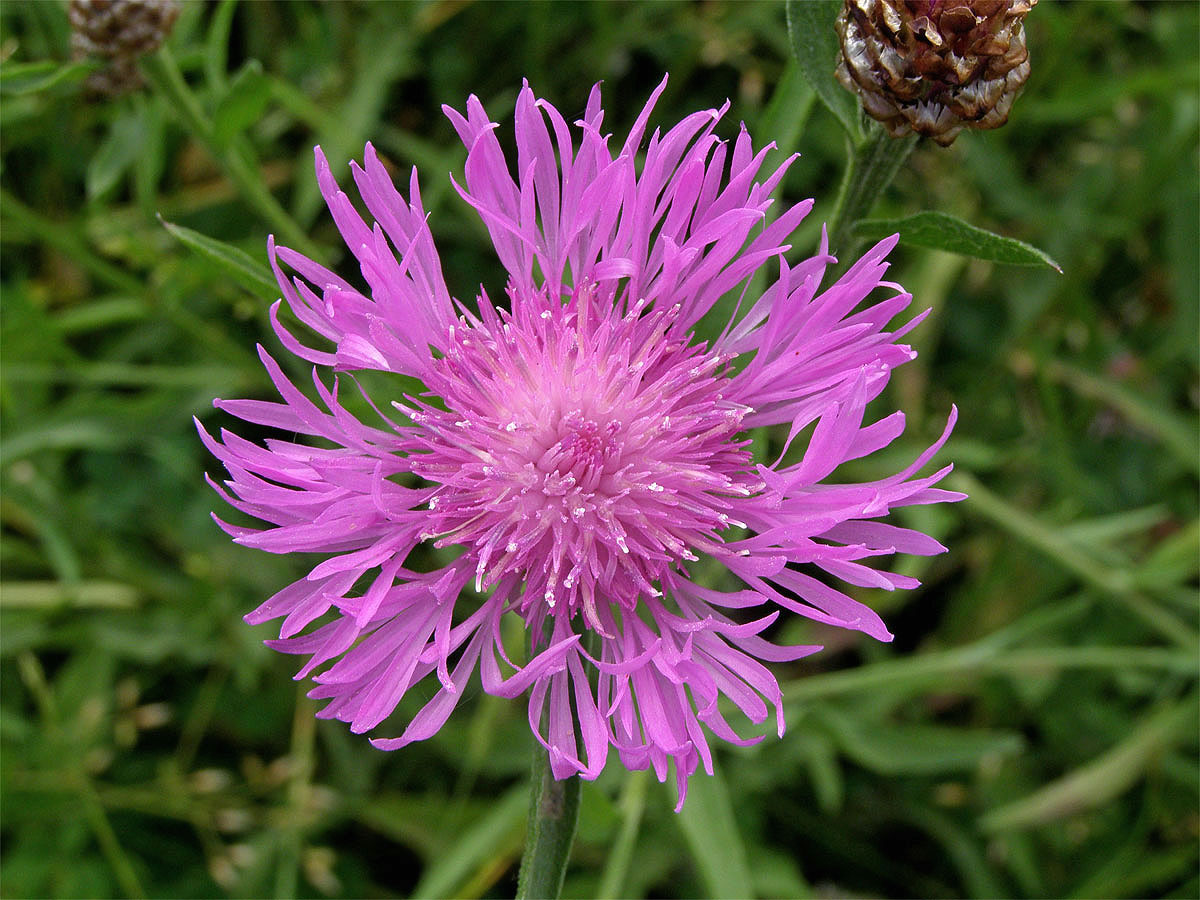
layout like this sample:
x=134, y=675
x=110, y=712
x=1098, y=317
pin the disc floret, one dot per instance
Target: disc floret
x=584, y=446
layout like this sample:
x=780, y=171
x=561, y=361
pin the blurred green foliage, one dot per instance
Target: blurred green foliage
x=1031, y=732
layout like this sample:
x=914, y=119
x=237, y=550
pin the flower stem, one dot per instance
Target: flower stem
x=873, y=164
x=553, y=817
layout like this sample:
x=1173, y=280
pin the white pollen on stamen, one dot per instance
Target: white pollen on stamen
x=545, y=313
x=463, y=423
x=549, y=598
x=578, y=512
x=511, y=547
x=655, y=487
x=510, y=427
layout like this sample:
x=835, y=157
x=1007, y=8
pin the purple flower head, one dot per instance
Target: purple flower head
x=577, y=445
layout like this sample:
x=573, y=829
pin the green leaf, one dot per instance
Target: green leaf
x=91, y=434
x=1174, y=560
x=620, y=857
x=916, y=749
x=493, y=837
x=243, y=104
x=1101, y=780
x=29, y=78
x=51, y=594
x=815, y=46
x=941, y=231
x=712, y=836
x=124, y=145
x=99, y=313
x=249, y=273
x=1176, y=433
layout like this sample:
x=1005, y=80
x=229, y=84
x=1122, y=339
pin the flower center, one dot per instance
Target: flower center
x=580, y=456
x=583, y=452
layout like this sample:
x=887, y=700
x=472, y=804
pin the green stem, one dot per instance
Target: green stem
x=299, y=790
x=873, y=165
x=553, y=817
x=162, y=72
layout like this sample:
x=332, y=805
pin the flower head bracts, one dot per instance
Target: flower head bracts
x=578, y=445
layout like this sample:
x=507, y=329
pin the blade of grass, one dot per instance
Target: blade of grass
x=109, y=374
x=101, y=313
x=64, y=238
x=1101, y=780
x=291, y=830
x=1179, y=437
x=34, y=677
x=932, y=668
x=498, y=830
x=84, y=594
x=711, y=832
x=1113, y=582
x=616, y=867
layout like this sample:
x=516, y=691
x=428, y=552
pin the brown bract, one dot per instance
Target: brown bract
x=934, y=66
x=119, y=31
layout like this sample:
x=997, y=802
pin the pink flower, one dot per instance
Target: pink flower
x=577, y=446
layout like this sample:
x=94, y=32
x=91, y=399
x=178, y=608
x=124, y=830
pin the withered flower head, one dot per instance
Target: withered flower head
x=119, y=31
x=934, y=66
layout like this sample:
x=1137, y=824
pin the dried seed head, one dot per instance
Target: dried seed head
x=119, y=31
x=934, y=66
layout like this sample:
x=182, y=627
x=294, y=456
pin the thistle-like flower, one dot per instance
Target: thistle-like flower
x=577, y=445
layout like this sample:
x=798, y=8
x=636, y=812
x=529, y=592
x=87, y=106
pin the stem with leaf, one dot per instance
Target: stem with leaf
x=164, y=76
x=874, y=162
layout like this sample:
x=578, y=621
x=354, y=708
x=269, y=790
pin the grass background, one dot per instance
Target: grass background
x=1032, y=731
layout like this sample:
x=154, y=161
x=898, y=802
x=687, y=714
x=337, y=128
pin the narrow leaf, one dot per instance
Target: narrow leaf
x=941, y=231
x=1178, y=434
x=712, y=836
x=815, y=46
x=243, y=104
x=1101, y=780
x=123, y=146
x=29, y=78
x=51, y=594
x=916, y=749
x=494, y=836
x=80, y=434
x=254, y=276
